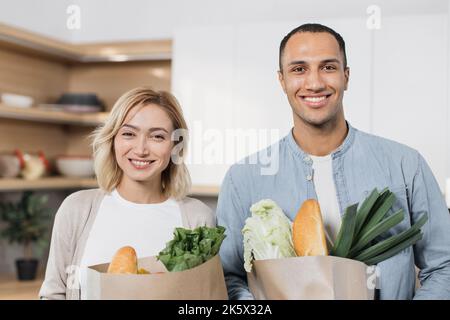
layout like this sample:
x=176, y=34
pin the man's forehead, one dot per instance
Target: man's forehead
x=309, y=46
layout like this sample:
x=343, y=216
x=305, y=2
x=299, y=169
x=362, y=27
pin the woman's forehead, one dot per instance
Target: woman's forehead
x=148, y=116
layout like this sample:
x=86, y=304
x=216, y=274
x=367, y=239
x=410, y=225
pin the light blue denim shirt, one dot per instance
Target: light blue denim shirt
x=361, y=163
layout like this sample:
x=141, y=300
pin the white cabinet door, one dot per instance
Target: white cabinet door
x=410, y=86
x=202, y=80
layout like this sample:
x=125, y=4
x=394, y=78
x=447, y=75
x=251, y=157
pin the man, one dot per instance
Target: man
x=325, y=158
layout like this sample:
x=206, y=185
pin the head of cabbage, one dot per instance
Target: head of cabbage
x=267, y=234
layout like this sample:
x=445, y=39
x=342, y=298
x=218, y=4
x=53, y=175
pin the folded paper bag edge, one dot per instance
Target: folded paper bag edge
x=266, y=282
x=210, y=272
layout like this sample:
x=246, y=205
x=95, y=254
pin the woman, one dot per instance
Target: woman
x=142, y=194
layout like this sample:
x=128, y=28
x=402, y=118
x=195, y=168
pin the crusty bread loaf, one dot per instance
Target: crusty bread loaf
x=308, y=233
x=124, y=261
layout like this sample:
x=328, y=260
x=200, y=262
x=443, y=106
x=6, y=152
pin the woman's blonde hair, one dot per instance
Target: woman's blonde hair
x=175, y=179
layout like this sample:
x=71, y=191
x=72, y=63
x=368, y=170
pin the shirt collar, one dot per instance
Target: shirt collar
x=346, y=144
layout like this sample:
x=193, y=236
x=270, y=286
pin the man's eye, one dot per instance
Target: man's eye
x=298, y=69
x=329, y=68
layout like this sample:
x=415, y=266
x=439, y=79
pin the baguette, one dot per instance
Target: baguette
x=124, y=261
x=308, y=233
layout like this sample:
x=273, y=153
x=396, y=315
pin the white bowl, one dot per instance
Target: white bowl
x=75, y=166
x=9, y=166
x=15, y=100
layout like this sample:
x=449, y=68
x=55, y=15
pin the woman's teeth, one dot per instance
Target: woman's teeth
x=139, y=163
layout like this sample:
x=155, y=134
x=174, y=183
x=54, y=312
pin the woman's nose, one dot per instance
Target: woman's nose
x=141, y=147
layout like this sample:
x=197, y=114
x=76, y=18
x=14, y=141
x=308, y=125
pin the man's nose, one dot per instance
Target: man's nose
x=314, y=81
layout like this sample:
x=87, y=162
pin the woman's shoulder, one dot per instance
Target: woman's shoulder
x=80, y=201
x=84, y=197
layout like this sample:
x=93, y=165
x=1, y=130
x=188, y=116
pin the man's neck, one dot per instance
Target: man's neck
x=320, y=141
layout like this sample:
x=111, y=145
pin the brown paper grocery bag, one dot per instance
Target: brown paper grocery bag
x=204, y=282
x=306, y=278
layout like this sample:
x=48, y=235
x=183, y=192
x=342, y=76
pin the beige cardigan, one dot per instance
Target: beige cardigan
x=74, y=220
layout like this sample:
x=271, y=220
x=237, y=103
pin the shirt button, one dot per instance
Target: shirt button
x=307, y=159
x=309, y=177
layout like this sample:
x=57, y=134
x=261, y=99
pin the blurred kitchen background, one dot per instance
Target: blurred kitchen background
x=64, y=63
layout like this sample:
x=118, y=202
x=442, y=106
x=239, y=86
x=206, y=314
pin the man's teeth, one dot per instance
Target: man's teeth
x=315, y=99
x=140, y=163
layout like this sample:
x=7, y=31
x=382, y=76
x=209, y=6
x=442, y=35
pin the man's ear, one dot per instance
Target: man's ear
x=281, y=79
x=347, y=76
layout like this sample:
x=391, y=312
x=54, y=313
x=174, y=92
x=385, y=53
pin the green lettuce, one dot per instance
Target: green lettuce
x=190, y=248
x=267, y=234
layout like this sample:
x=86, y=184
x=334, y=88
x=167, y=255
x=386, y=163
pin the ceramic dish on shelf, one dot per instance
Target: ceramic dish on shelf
x=75, y=166
x=80, y=102
x=16, y=100
x=10, y=165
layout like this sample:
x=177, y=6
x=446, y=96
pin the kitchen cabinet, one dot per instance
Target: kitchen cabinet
x=44, y=69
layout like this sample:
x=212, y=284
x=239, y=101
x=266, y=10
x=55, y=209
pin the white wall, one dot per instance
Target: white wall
x=106, y=20
x=411, y=86
x=47, y=17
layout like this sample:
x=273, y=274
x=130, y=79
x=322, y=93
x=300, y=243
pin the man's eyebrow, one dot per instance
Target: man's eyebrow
x=296, y=62
x=330, y=60
x=150, y=130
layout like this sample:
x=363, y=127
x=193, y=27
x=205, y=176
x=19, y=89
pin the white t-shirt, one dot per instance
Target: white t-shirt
x=119, y=222
x=326, y=195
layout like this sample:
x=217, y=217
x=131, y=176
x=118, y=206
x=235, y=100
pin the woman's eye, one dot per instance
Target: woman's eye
x=158, y=137
x=128, y=134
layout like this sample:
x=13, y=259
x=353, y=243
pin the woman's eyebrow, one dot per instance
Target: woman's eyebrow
x=150, y=130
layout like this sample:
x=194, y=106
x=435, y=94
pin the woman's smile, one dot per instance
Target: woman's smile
x=141, y=164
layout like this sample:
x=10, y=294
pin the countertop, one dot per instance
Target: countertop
x=12, y=289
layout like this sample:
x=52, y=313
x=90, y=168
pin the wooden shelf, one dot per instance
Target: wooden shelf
x=46, y=183
x=51, y=116
x=26, y=41
x=52, y=183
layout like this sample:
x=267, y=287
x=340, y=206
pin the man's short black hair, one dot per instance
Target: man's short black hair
x=313, y=27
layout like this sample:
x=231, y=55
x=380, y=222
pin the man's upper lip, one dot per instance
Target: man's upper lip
x=315, y=95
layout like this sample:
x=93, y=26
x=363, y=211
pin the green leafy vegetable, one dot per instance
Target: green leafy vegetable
x=345, y=236
x=190, y=248
x=372, y=221
x=267, y=234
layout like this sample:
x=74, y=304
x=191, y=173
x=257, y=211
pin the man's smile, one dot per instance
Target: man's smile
x=315, y=101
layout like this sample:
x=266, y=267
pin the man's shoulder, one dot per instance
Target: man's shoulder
x=386, y=146
x=257, y=164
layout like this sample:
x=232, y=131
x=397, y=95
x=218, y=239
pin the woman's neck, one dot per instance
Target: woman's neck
x=141, y=192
